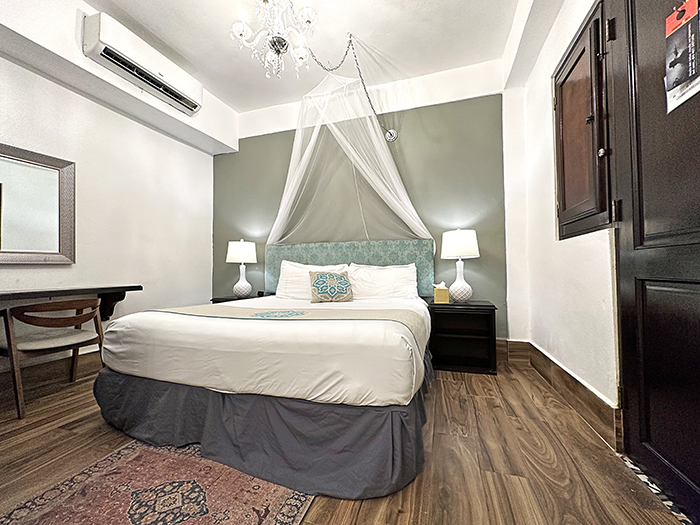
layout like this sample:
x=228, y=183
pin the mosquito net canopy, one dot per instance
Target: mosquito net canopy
x=342, y=183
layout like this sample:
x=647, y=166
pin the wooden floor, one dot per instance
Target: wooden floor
x=499, y=450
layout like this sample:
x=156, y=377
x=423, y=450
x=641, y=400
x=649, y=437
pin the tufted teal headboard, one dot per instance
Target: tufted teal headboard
x=378, y=253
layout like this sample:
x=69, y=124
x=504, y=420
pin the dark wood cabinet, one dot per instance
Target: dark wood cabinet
x=463, y=336
x=225, y=299
x=583, y=186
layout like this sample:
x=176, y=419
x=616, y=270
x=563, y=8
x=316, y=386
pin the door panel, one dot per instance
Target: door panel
x=671, y=340
x=668, y=216
x=578, y=193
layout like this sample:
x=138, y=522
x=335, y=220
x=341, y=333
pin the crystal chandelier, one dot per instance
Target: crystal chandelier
x=280, y=31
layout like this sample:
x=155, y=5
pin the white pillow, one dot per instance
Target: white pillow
x=399, y=281
x=294, y=281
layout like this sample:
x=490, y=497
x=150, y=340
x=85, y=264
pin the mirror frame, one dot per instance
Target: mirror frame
x=66, y=209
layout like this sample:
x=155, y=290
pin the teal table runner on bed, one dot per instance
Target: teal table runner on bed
x=376, y=253
x=410, y=319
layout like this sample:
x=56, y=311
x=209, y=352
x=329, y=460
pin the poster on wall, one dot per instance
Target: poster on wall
x=682, y=72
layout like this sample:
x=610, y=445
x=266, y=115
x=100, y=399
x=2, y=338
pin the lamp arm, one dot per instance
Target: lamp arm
x=297, y=35
x=256, y=39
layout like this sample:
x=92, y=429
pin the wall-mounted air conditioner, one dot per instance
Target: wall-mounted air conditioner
x=112, y=45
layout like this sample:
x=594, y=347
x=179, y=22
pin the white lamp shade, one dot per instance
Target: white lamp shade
x=459, y=244
x=241, y=252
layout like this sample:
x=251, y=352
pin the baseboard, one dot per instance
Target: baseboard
x=604, y=419
x=519, y=352
x=502, y=349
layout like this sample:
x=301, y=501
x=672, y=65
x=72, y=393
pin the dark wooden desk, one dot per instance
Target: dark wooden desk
x=109, y=295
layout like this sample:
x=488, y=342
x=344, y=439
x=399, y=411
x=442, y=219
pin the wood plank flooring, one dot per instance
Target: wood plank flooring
x=504, y=450
x=62, y=434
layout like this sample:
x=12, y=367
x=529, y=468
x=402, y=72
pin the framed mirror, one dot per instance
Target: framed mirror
x=37, y=208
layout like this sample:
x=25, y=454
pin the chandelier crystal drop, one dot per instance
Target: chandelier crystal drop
x=280, y=32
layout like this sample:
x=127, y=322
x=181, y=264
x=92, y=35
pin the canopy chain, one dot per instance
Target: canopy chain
x=329, y=68
x=390, y=134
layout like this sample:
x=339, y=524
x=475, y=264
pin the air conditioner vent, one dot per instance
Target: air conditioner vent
x=148, y=78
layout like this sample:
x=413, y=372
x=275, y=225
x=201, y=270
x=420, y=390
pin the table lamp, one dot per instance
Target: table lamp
x=460, y=244
x=241, y=252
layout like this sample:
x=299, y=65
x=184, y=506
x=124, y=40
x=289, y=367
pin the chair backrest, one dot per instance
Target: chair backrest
x=26, y=314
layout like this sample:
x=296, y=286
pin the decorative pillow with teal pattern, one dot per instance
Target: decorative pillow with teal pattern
x=329, y=287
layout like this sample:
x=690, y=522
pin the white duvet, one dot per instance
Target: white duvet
x=358, y=362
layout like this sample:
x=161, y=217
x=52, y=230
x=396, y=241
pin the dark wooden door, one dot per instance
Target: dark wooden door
x=657, y=165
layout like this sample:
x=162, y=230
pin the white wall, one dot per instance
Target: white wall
x=461, y=83
x=48, y=37
x=570, y=284
x=515, y=193
x=143, y=200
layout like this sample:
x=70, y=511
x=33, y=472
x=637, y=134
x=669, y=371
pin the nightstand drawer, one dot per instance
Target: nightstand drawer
x=458, y=323
x=462, y=351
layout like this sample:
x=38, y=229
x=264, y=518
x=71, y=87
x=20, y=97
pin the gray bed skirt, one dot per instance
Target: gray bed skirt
x=342, y=451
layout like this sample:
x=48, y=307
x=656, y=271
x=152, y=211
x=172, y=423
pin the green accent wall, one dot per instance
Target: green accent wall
x=450, y=157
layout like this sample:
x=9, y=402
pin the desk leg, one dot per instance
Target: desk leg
x=107, y=303
x=14, y=362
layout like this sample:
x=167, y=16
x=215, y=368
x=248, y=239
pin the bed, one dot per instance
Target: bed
x=324, y=398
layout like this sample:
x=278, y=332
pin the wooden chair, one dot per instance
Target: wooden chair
x=56, y=334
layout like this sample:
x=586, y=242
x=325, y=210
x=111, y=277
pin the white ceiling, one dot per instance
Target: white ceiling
x=417, y=36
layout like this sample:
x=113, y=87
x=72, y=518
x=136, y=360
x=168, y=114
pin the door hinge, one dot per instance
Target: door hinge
x=601, y=56
x=610, y=30
x=554, y=103
x=616, y=210
x=557, y=210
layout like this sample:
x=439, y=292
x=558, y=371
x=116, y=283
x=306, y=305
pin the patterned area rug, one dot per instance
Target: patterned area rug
x=144, y=485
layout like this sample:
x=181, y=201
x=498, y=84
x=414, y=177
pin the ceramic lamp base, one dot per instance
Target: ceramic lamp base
x=460, y=291
x=242, y=288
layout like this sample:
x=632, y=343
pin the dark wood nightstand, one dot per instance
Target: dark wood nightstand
x=215, y=300
x=226, y=298
x=463, y=336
